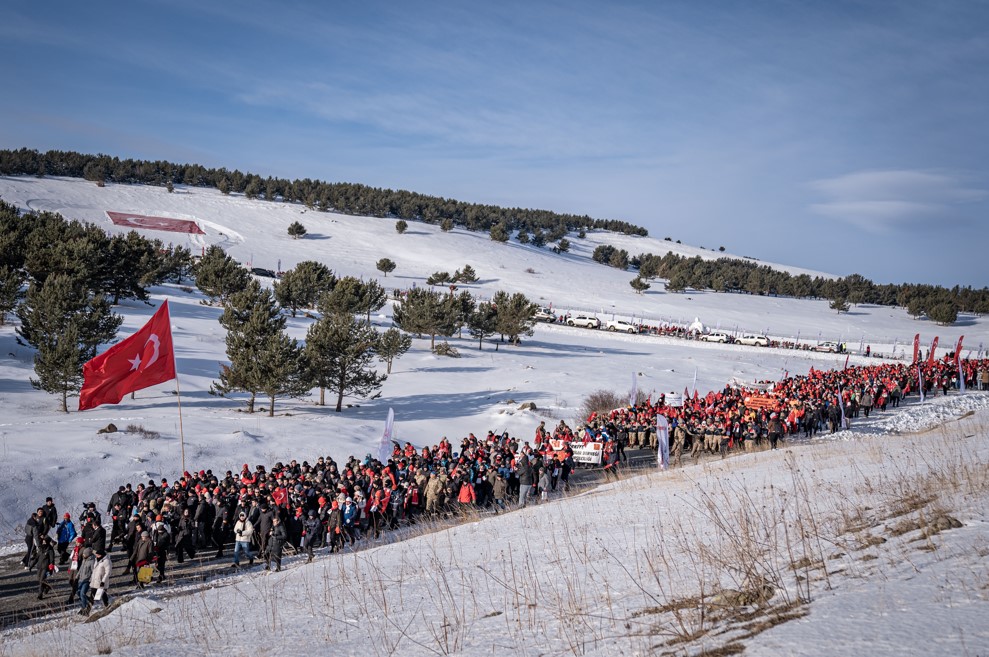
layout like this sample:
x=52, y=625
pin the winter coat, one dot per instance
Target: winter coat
x=466, y=495
x=525, y=473
x=101, y=574
x=98, y=540
x=142, y=551
x=66, y=531
x=279, y=536
x=500, y=488
x=313, y=530
x=86, y=565
x=243, y=531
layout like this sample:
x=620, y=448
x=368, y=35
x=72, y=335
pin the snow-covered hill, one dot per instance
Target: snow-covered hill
x=45, y=452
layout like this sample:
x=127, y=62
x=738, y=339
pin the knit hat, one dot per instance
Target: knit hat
x=67, y=516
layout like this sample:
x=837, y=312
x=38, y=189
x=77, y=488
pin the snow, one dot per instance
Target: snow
x=571, y=577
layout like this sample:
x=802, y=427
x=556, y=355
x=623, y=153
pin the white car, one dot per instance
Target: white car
x=716, y=336
x=754, y=340
x=544, y=315
x=829, y=347
x=622, y=325
x=586, y=321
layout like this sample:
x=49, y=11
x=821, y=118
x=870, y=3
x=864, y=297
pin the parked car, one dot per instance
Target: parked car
x=716, y=336
x=622, y=325
x=829, y=347
x=267, y=273
x=754, y=340
x=586, y=321
x=544, y=315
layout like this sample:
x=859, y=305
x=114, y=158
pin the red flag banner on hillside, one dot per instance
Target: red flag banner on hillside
x=958, y=349
x=916, y=347
x=141, y=361
x=930, y=354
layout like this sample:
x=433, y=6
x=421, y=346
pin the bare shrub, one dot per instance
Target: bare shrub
x=139, y=429
x=601, y=402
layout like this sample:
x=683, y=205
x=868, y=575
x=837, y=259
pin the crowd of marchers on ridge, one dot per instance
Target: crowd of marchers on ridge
x=301, y=507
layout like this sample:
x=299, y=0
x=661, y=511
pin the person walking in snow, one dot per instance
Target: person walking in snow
x=46, y=566
x=276, y=543
x=84, y=576
x=99, y=583
x=243, y=533
x=66, y=533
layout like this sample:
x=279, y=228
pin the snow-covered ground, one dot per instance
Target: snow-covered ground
x=561, y=579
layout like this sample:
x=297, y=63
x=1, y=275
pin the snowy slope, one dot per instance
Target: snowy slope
x=576, y=599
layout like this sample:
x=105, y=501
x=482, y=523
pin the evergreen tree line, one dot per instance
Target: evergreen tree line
x=341, y=345
x=62, y=278
x=938, y=303
x=347, y=198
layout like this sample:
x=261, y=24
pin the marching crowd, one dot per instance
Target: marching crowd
x=301, y=507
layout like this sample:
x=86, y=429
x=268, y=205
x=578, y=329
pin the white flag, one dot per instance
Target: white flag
x=693, y=386
x=633, y=395
x=385, y=447
x=920, y=382
x=663, y=437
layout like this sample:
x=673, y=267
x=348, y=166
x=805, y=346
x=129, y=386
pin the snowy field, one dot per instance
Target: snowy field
x=618, y=571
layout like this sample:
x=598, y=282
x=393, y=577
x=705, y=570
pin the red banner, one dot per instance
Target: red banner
x=930, y=355
x=958, y=349
x=916, y=347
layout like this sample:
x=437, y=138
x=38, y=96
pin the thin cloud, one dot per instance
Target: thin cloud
x=879, y=201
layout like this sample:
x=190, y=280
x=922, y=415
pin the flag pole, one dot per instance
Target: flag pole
x=178, y=400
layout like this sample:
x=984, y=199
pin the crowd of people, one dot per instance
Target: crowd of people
x=301, y=507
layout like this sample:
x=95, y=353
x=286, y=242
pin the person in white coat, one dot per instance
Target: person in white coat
x=243, y=532
x=99, y=582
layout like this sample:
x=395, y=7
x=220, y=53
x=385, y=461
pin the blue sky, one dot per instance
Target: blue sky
x=840, y=136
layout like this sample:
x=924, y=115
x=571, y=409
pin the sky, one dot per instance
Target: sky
x=846, y=137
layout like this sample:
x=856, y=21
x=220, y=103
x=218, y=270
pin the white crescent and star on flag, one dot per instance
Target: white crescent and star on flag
x=136, y=360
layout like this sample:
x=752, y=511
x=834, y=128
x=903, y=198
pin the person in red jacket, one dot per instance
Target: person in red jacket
x=467, y=496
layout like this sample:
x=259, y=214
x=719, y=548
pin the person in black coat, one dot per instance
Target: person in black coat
x=312, y=533
x=32, y=537
x=184, y=537
x=263, y=528
x=51, y=515
x=97, y=539
x=46, y=565
x=276, y=543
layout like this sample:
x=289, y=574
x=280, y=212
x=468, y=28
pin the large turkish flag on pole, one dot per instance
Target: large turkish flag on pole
x=141, y=361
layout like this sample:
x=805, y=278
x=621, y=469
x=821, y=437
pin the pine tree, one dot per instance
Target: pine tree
x=638, y=285
x=944, y=313
x=130, y=259
x=516, y=315
x=483, y=322
x=392, y=345
x=522, y=237
x=839, y=304
x=385, y=266
x=218, y=276
x=283, y=371
x=499, y=232
x=338, y=354
x=10, y=291
x=538, y=238
x=352, y=295
x=446, y=225
x=425, y=312
x=296, y=230
x=401, y=226
x=66, y=323
x=260, y=356
x=564, y=245
x=302, y=286
x=467, y=275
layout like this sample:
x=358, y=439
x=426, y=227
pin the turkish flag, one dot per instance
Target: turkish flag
x=141, y=361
